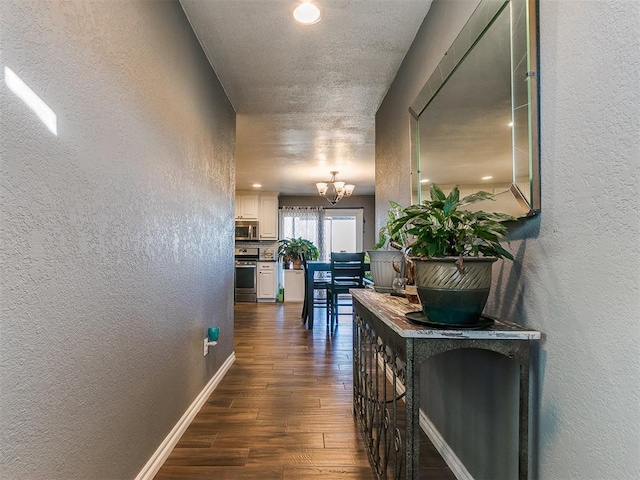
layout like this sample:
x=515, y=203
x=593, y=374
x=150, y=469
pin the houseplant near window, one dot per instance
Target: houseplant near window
x=292, y=249
x=453, y=250
x=384, y=256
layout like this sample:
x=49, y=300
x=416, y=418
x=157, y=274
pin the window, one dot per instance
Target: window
x=329, y=229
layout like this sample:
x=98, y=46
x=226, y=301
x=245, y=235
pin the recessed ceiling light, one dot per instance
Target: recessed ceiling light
x=256, y=185
x=510, y=124
x=424, y=180
x=306, y=12
x=488, y=177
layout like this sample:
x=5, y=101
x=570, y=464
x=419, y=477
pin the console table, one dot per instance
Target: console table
x=387, y=353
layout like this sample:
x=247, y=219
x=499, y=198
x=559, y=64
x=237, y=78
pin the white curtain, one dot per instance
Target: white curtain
x=305, y=222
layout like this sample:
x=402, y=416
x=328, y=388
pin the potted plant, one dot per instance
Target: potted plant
x=292, y=249
x=453, y=249
x=387, y=259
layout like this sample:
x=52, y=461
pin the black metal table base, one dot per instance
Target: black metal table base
x=386, y=388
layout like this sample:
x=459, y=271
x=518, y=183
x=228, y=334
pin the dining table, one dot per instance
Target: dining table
x=314, y=266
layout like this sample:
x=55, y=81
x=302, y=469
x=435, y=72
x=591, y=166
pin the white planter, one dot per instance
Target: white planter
x=382, y=267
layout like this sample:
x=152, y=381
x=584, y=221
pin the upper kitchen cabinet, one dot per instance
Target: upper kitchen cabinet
x=247, y=206
x=268, y=216
x=262, y=207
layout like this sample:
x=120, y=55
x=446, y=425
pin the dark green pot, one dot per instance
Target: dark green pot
x=451, y=296
x=459, y=307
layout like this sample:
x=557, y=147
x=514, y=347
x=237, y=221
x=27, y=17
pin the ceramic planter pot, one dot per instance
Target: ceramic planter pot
x=382, y=270
x=451, y=296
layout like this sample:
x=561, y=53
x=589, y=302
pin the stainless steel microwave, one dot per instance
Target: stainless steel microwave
x=246, y=230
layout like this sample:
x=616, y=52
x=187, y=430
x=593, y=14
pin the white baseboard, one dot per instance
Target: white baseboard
x=160, y=455
x=430, y=430
x=448, y=455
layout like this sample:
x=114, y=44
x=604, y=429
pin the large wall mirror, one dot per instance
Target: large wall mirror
x=475, y=122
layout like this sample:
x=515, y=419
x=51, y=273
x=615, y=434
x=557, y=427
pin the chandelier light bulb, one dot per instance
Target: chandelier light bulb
x=322, y=188
x=340, y=189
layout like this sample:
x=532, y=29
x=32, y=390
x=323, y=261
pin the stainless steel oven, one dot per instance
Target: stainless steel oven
x=246, y=277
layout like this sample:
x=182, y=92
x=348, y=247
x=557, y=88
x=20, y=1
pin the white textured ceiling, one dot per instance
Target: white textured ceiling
x=305, y=96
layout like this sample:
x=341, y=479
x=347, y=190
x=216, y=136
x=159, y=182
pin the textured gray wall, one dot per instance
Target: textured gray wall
x=393, y=167
x=116, y=235
x=366, y=202
x=576, y=275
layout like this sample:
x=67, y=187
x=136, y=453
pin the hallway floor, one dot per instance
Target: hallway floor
x=284, y=410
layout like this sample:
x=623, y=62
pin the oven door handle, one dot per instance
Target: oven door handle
x=246, y=266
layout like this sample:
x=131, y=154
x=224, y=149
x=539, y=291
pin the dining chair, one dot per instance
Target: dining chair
x=310, y=300
x=347, y=271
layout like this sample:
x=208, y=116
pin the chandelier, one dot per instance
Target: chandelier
x=338, y=189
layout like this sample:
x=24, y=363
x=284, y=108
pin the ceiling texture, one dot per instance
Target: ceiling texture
x=305, y=96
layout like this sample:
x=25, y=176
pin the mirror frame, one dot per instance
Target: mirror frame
x=482, y=19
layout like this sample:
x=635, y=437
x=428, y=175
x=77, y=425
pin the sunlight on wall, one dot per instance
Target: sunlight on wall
x=33, y=101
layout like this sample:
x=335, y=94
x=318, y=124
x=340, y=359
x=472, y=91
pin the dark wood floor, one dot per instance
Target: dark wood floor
x=283, y=411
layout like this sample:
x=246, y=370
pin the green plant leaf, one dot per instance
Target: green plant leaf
x=476, y=197
x=438, y=227
x=437, y=193
x=452, y=201
x=392, y=232
x=292, y=249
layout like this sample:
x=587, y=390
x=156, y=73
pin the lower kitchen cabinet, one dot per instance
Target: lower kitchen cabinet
x=267, y=281
x=294, y=285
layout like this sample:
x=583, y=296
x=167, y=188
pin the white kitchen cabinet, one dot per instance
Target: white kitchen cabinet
x=268, y=216
x=247, y=206
x=294, y=285
x=267, y=281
